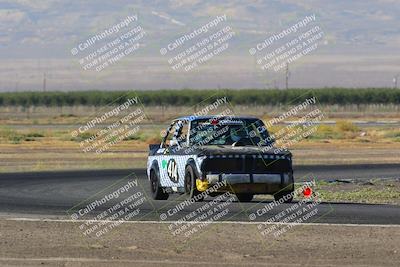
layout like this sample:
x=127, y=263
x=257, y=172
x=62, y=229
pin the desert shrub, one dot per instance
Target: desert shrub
x=34, y=134
x=346, y=126
x=81, y=137
x=326, y=132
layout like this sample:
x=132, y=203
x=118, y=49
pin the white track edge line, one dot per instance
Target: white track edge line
x=214, y=222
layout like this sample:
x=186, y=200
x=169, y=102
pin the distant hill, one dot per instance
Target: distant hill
x=36, y=24
x=359, y=46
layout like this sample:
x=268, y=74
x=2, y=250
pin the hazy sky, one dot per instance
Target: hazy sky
x=81, y=45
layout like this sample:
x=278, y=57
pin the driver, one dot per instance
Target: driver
x=234, y=135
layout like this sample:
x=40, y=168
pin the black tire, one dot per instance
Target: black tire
x=244, y=197
x=287, y=194
x=156, y=191
x=190, y=184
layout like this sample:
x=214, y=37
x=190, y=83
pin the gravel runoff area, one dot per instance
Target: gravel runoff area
x=62, y=243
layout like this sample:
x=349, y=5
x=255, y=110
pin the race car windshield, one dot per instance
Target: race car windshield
x=228, y=132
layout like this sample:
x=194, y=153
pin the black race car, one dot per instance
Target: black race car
x=234, y=153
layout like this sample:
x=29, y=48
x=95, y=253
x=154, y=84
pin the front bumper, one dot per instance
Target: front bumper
x=257, y=178
x=258, y=183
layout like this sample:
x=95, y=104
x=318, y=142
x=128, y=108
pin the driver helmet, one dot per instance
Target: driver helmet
x=234, y=135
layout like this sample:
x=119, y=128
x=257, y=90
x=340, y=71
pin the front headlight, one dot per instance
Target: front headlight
x=199, y=161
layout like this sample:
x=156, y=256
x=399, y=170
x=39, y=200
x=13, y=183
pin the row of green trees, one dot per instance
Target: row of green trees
x=192, y=97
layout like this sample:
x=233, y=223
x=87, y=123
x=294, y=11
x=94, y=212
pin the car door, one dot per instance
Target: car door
x=171, y=164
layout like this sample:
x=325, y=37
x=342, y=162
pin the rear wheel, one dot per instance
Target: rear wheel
x=287, y=196
x=190, y=185
x=243, y=197
x=156, y=190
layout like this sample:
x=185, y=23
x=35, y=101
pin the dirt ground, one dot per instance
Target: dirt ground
x=63, y=155
x=39, y=243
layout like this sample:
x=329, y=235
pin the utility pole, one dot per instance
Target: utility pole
x=395, y=78
x=287, y=75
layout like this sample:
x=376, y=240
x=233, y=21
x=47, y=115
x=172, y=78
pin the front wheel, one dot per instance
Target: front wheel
x=190, y=185
x=156, y=190
x=243, y=197
x=286, y=196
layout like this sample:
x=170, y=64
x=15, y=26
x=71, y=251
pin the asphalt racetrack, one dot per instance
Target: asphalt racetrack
x=60, y=194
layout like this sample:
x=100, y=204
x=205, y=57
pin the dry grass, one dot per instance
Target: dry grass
x=78, y=114
x=52, y=154
x=375, y=191
x=40, y=138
